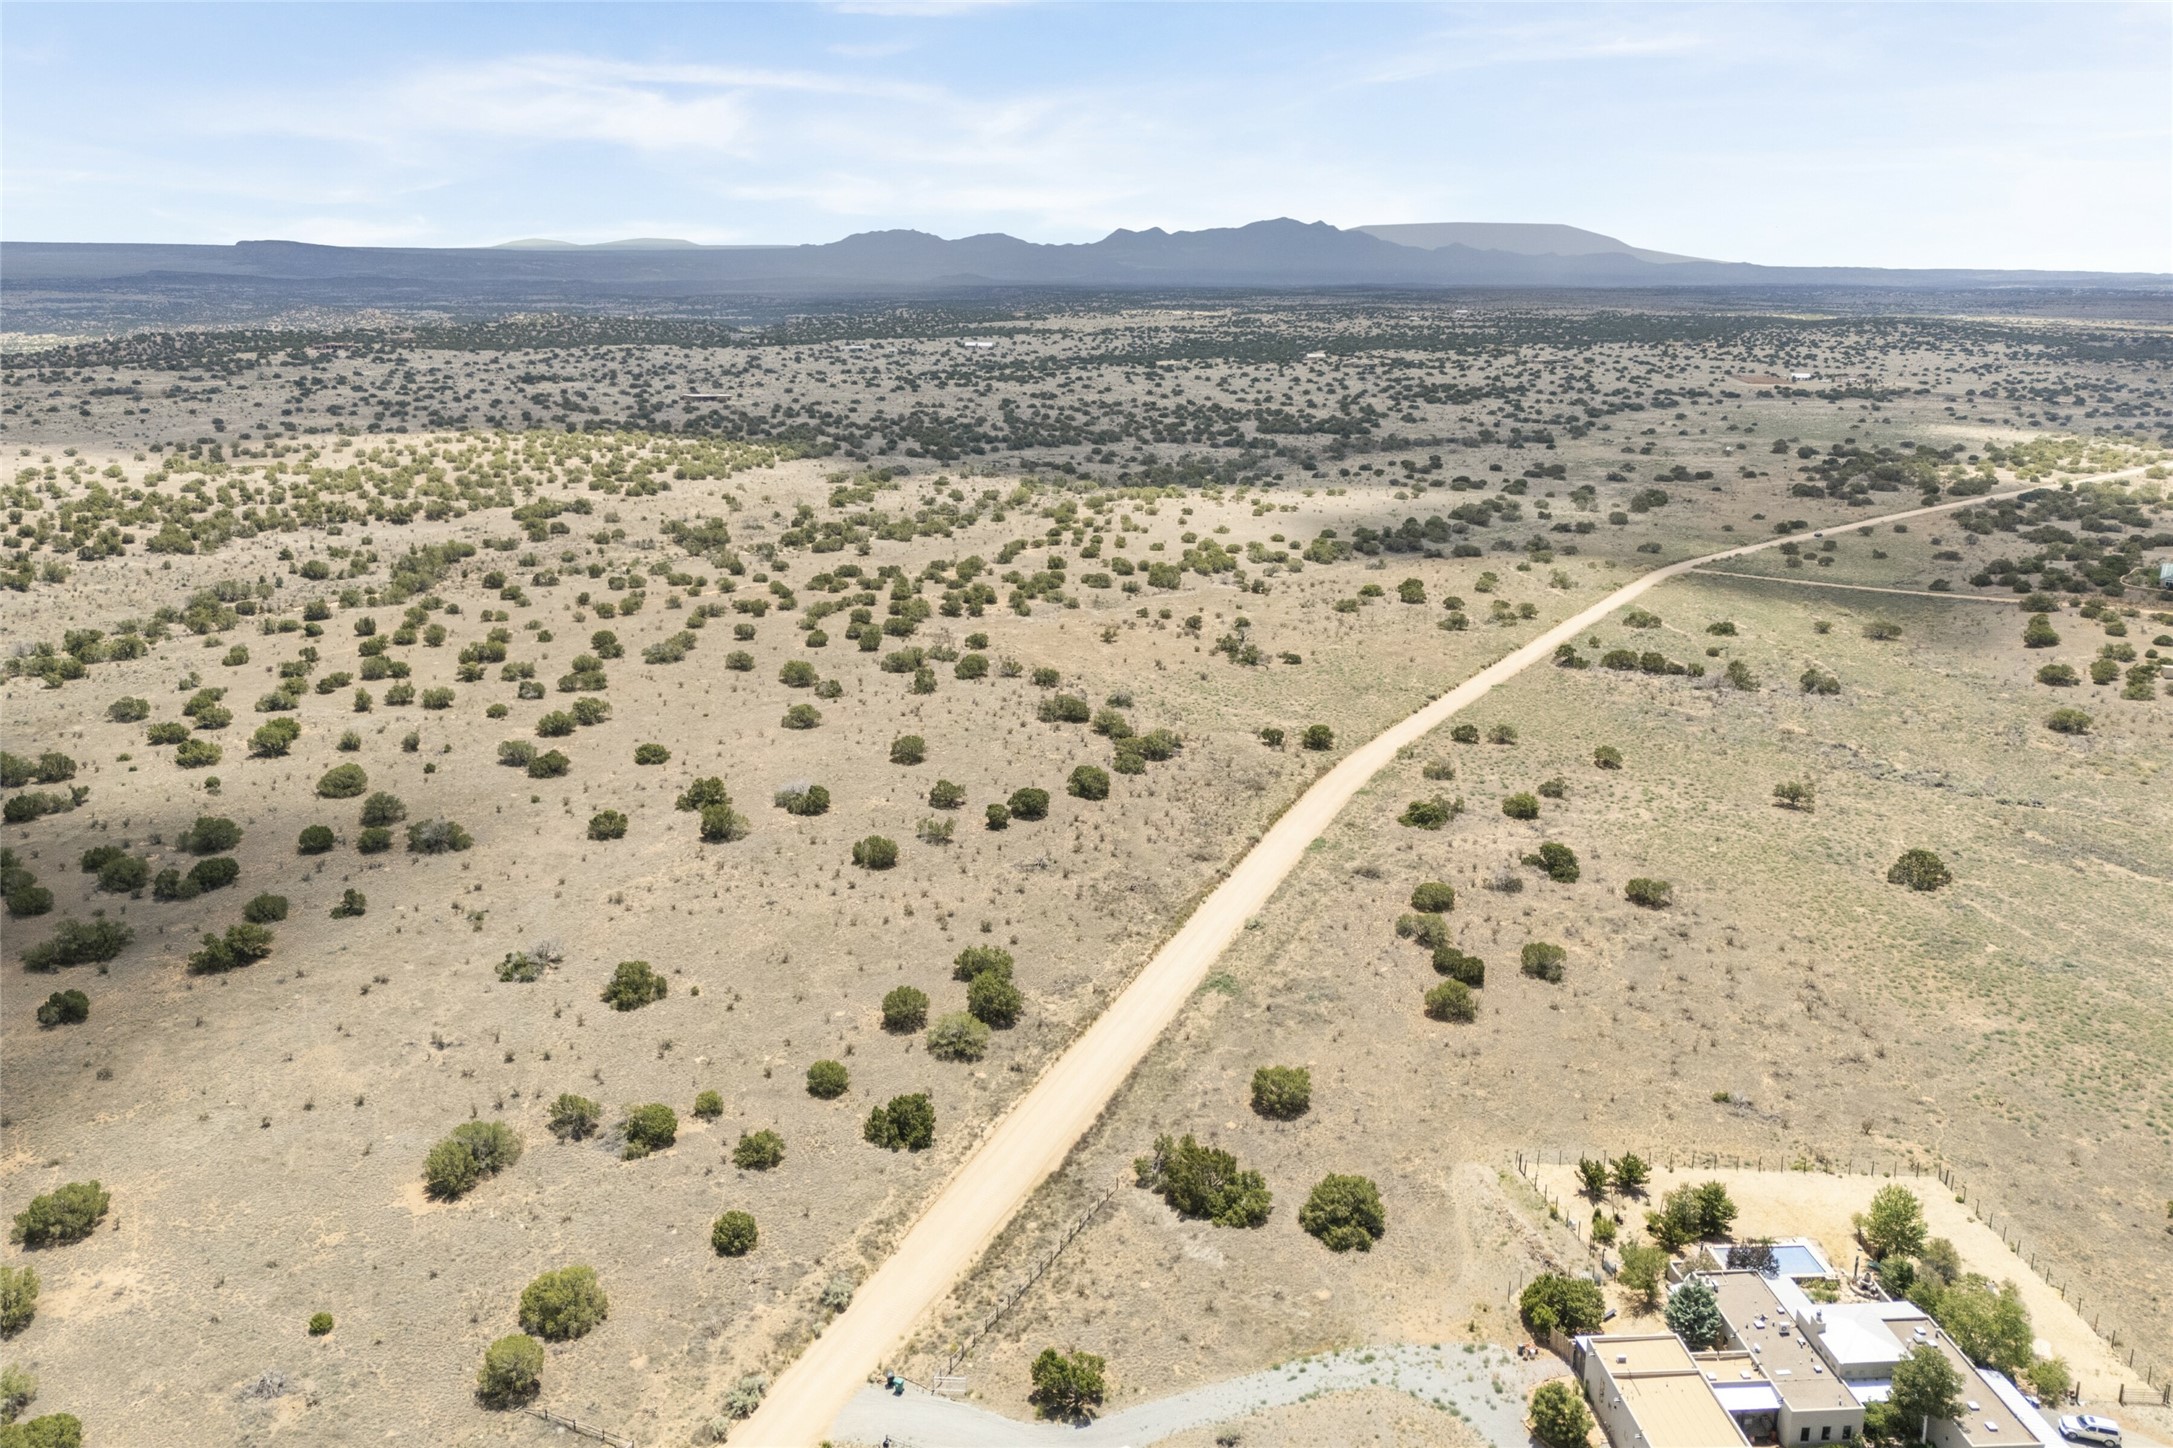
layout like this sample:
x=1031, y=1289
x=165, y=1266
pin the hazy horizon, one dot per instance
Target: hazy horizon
x=1899, y=136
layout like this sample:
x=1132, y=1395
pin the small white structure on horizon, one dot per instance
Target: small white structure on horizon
x=979, y=343
x=1801, y=376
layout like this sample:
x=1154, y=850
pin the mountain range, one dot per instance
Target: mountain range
x=1265, y=254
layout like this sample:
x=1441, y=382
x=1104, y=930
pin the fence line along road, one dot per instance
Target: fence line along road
x=1031, y=1139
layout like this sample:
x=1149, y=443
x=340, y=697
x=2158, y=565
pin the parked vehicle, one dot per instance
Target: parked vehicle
x=2090, y=1428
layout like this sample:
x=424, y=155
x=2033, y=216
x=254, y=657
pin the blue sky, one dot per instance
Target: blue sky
x=1937, y=135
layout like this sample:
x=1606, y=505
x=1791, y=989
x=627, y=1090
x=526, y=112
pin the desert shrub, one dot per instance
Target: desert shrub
x=436, y=698
x=1502, y=734
x=47, y=1430
x=79, y=942
x=607, y=824
x=1433, y=898
x=1457, y=966
x=971, y=666
x=515, y=753
x=1556, y=788
x=797, y=674
x=343, y=781
x=573, y=1118
x=353, y=903
x=63, y=1215
x=708, y=1105
x=1204, y=1182
x=1558, y=860
x=1552, y=1301
x=124, y=874
x=1795, y=794
x=274, y=738
x=946, y=795
x=1067, y=1385
x=173, y=885
x=802, y=798
x=320, y=1324
x=18, y=1305
x=905, y=1008
x=905, y=1123
x=758, y=1150
x=197, y=754
x=1430, y=814
x=591, y=711
x=1065, y=709
x=1559, y=1416
x=128, y=710
x=648, y=1128
x=651, y=754
x=739, y=660
x=1815, y=680
x=265, y=910
x=1089, y=782
x=978, y=960
x=21, y=809
x=958, y=1037
x=551, y=764
x=908, y=749
x=633, y=985
x=933, y=831
x=243, y=944
x=1029, y=804
x=383, y=809
x=1919, y=870
x=1271, y=736
x=473, y=1151
x=1544, y=961
x=2068, y=721
x=1452, y=1000
x=520, y=968
x=556, y=725
x=373, y=841
x=801, y=716
x=998, y=817
x=1317, y=736
x=1282, y=1093
x=65, y=1008
x=97, y=857
x=1155, y=745
x=563, y=1305
x=2058, y=676
x=875, y=853
x=437, y=837
x=720, y=824
x=1428, y=930
x=1520, y=806
x=27, y=898
x=1345, y=1213
x=1882, y=629
x=2039, y=633
x=315, y=840
x=168, y=732
x=827, y=1080
x=993, y=1000
x=1648, y=892
x=733, y=1235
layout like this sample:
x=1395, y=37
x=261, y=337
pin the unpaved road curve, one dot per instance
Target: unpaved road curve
x=1031, y=1140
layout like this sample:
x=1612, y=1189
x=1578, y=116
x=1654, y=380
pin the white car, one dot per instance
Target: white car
x=2090, y=1428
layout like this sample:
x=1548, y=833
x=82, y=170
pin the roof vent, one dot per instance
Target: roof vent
x=1972, y=1405
x=1622, y=1357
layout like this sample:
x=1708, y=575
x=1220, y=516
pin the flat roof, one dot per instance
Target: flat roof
x=1759, y=1321
x=1666, y=1393
x=1986, y=1421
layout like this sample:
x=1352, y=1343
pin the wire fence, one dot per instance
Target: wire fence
x=1891, y=1165
x=580, y=1429
x=1071, y=1234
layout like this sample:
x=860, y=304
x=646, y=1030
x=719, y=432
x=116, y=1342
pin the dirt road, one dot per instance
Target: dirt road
x=1031, y=1140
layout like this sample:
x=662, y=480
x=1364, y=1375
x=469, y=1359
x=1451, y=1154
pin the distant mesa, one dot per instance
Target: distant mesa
x=1522, y=238
x=1277, y=253
x=631, y=243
